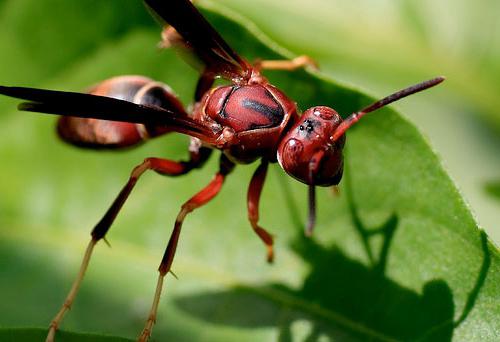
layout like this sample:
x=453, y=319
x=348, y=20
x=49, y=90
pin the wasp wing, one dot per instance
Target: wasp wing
x=200, y=37
x=105, y=108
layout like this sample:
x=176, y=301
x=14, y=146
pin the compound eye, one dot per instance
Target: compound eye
x=290, y=154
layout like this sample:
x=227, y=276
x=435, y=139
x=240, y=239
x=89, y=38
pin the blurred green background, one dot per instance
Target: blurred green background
x=51, y=194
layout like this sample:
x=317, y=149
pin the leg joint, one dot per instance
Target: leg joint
x=140, y=169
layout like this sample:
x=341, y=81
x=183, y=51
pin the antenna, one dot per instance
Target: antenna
x=353, y=118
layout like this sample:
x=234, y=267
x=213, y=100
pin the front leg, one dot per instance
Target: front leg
x=253, y=198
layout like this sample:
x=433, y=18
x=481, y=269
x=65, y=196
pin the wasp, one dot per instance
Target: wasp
x=247, y=119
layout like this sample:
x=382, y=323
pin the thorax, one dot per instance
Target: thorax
x=256, y=114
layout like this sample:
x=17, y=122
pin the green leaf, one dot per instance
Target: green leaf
x=397, y=256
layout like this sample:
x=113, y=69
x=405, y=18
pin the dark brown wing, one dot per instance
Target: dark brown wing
x=201, y=37
x=105, y=108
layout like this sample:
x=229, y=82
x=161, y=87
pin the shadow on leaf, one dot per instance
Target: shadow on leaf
x=340, y=297
x=343, y=293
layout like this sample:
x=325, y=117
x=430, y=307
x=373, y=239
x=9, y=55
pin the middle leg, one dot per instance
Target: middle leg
x=198, y=200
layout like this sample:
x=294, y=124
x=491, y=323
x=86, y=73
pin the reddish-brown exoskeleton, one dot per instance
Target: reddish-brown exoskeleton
x=248, y=119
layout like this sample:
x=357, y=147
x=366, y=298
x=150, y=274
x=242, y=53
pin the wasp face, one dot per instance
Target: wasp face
x=307, y=151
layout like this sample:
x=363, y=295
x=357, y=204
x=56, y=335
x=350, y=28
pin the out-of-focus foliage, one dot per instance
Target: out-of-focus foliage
x=397, y=256
x=17, y=335
x=493, y=188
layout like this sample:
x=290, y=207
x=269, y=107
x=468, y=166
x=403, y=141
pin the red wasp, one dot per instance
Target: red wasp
x=246, y=120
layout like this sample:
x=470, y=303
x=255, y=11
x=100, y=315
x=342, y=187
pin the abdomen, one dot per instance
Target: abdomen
x=104, y=134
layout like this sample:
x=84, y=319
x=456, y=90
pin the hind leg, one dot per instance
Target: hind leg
x=292, y=64
x=161, y=166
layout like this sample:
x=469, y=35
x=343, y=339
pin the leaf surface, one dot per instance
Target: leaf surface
x=396, y=256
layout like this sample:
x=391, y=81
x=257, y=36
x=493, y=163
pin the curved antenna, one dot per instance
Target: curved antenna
x=353, y=118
